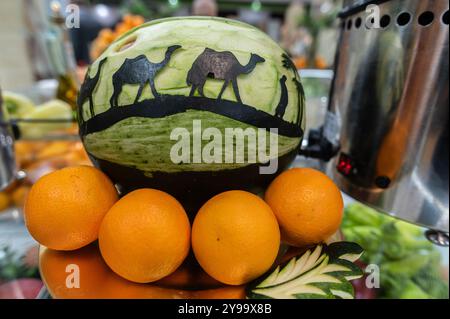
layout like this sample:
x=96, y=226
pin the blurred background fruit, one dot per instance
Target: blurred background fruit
x=49, y=111
x=4, y=201
x=36, y=121
x=107, y=36
x=189, y=276
x=307, y=204
x=235, y=237
x=16, y=105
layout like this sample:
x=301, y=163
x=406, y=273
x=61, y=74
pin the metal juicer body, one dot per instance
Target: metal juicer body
x=389, y=101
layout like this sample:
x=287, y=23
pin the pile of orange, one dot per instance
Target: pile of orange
x=146, y=235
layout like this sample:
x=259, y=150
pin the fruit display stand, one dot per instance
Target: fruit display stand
x=144, y=224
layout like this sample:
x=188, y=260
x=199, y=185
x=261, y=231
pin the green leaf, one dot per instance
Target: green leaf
x=322, y=272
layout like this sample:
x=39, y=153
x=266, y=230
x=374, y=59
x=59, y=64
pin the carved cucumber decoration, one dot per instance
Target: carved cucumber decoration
x=323, y=272
x=204, y=82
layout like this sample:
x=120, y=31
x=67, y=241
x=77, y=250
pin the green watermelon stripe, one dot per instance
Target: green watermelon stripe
x=144, y=143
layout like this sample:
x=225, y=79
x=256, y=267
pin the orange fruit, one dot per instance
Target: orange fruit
x=53, y=149
x=235, y=237
x=145, y=236
x=64, y=209
x=95, y=278
x=4, y=201
x=307, y=204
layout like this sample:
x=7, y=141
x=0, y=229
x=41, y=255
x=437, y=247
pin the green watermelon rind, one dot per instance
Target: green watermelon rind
x=144, y=143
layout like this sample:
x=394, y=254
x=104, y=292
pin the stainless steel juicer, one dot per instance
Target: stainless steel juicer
x=389, y=111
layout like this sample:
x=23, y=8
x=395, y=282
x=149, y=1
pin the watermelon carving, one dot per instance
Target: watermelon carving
x=170, y=80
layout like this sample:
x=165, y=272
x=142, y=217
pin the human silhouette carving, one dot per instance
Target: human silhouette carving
x=219, y=65
x=281, y=108
x=139, y=70
x=88, y=87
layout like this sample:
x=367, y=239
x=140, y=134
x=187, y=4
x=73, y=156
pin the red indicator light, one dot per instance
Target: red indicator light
x=345, y=165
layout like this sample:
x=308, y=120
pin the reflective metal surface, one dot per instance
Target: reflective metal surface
x=7, y=162
x=390, y=101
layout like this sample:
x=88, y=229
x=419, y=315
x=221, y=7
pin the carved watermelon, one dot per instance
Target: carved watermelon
x=202, y=80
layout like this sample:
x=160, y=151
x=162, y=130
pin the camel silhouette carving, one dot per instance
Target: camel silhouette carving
x=219, y=65
x=139, y=70
x=88, y=87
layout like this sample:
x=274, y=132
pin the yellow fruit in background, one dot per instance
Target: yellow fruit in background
x=307, y=204
x=64, y=209
x=145, y=236
x=235, y=237
x=54, y=109
x=107, y=36
x=16, y=106
x=53, y=149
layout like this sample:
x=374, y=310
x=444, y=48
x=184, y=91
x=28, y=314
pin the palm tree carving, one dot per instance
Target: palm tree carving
x=288, y=64
x=219, y=65
x=139, y=70
x=88, y=87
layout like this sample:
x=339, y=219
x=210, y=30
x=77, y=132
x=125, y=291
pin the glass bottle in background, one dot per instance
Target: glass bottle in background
x=325, y=29
x=296, y=38
x=309, y=34
x=62, y=56
x=7, y=161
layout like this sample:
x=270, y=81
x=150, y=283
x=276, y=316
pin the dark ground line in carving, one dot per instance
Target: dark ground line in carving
x=166, y=105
